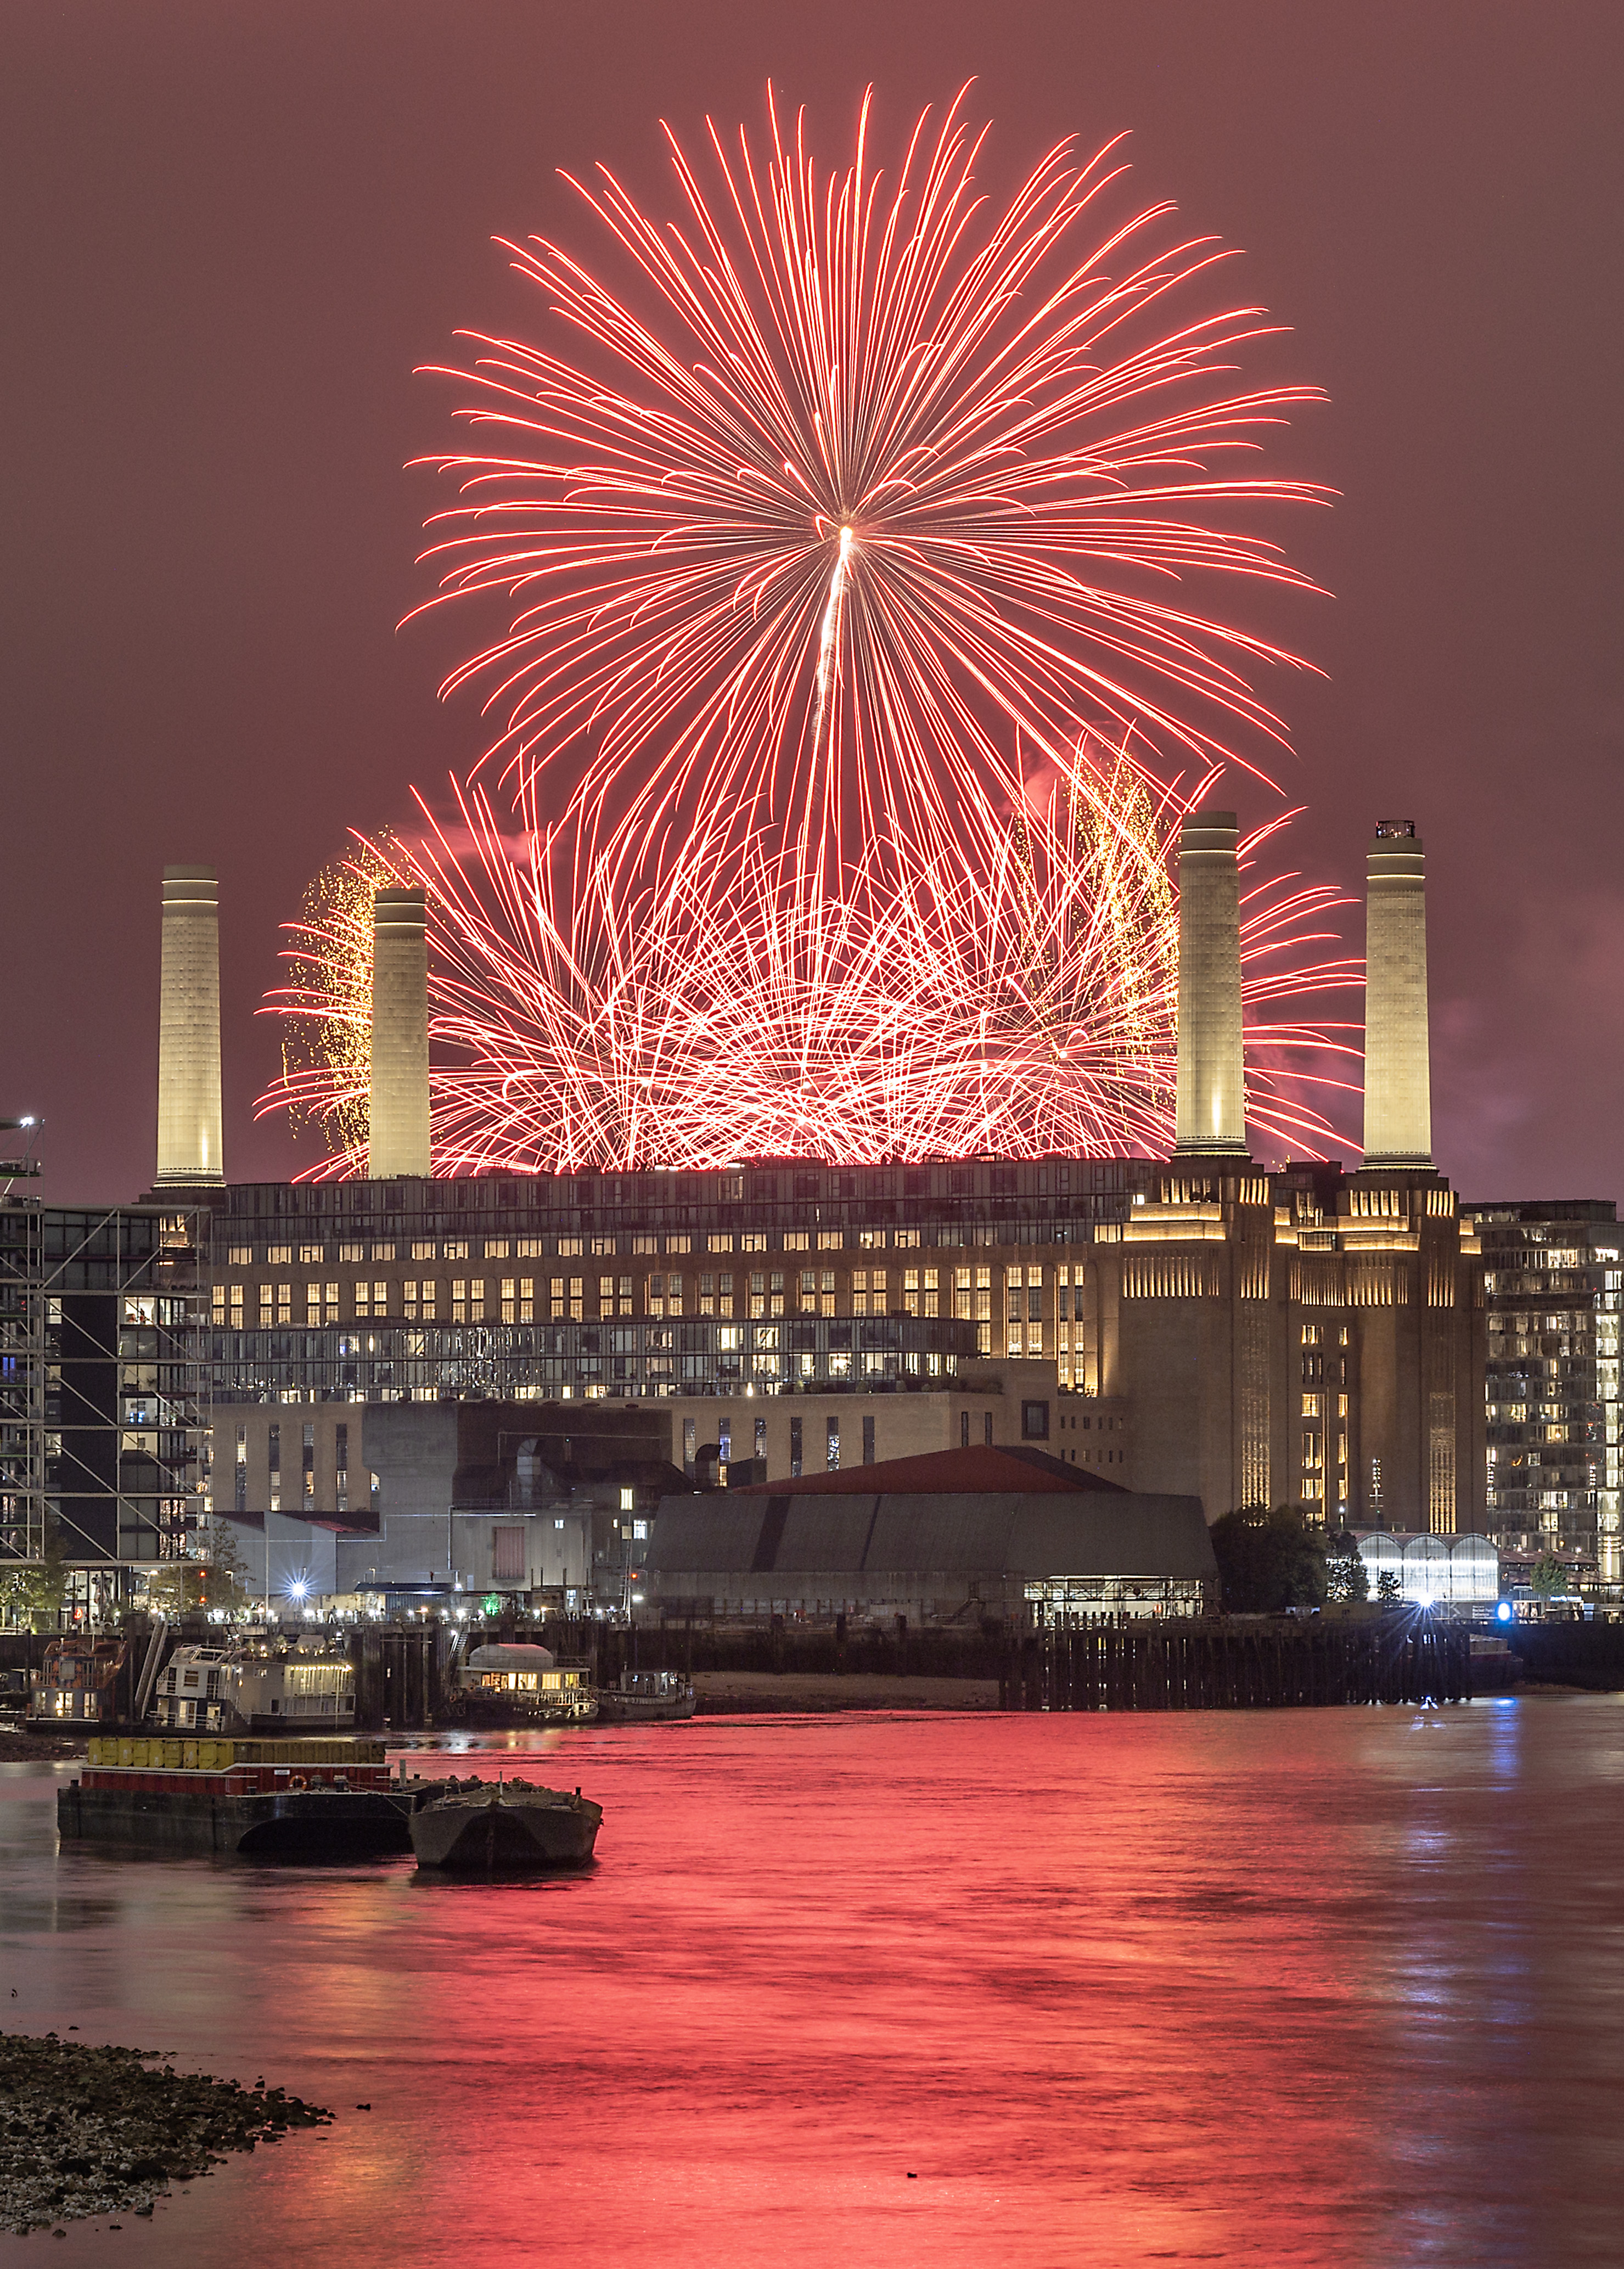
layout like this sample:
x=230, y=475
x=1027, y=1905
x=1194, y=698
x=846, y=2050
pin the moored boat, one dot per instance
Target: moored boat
x=227, y=1689
x=645, y=1697
x=500, y=1682
x=77, y=1680
x=312, y=1798
x=475, y=1827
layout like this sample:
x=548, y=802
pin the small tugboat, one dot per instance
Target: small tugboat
x=310, y=1799
x=475, y=1827
x=500, y=1683
x=79, y=1681
x=645, y=1697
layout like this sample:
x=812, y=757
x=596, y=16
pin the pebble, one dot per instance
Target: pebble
x=91, y=2130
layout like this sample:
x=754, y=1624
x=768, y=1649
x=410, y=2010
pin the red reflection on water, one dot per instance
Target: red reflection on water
x=1275, y=1987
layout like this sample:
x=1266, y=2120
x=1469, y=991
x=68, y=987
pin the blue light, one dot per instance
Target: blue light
x=1503, y=1612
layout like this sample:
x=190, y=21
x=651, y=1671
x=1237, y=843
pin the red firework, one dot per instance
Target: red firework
x=845, y=652
x=853, y=494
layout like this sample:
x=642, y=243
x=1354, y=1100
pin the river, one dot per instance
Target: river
x=1333, y=1986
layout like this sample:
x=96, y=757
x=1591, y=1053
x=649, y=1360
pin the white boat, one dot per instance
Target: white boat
x=521, y=1681
x=645, y=1697
x=213, y=1689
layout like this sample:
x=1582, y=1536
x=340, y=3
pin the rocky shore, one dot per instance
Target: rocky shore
x=92, y=2130
x=18, y=1747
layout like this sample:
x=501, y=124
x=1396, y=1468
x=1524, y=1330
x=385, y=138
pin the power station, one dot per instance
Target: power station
x=1201, y=1328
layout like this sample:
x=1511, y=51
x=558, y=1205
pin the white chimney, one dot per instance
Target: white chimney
x=190, y=1153
x=1211, y=1076
x=1397, y=1072
x=398, y=1125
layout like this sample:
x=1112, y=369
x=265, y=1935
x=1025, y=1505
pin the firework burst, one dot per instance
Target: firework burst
x=843, y=555
x=859, y=489
x=1023, y=1002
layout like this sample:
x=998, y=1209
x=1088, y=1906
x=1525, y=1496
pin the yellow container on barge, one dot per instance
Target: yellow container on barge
x=159, y=1754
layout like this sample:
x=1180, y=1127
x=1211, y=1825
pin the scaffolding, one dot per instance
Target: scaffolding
x=105, y=1404
x=22, y=1381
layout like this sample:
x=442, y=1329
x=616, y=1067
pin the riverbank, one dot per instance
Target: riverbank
x=90, y=2130
x=18, y=1747
x=735, y=1692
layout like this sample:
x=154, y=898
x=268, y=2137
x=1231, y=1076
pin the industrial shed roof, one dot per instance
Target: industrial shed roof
x=1010, y=1468
x=1042, y=1532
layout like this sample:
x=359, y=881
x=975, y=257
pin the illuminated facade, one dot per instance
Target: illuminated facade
x=1552, y=1294
x=1308, y=1335
x=103, y=1390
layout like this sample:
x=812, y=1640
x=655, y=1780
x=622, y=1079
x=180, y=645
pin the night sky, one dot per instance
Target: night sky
x=227, y=235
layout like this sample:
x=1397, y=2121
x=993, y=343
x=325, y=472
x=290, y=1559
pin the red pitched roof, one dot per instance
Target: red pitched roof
x=980, y=1470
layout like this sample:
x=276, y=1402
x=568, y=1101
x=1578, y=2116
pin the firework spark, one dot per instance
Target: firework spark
x=856, y=491
x=327, y=1046
x=1024, y=1003
x=845, y=664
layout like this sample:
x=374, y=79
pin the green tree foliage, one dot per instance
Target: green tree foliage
x=33, y=1593
x=1347, y=1580
x=1268, y=1561
x=1550, y=1577
x=1389, y=1587
x=215, y=1578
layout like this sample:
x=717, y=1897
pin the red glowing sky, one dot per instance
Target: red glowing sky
x=229, y=236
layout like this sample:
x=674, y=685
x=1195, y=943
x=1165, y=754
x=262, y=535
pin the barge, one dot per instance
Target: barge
x=476, y=1827
x=305, y=1799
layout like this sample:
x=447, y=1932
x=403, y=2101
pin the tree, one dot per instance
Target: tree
x=215, y=1579
x=227, y=1574
x=1389, y=1589
x=1268, y=1561
x=1348, y=1579
x=33, y=1592
x=1550, y=1576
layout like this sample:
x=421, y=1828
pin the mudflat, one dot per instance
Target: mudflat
x=727, y=1693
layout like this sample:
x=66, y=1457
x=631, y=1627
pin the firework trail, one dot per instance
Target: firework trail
x=855, y=489
x=1023, y=1004
x=847, y=661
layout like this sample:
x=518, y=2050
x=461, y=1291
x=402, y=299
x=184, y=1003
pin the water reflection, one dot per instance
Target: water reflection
x=1308, y=1987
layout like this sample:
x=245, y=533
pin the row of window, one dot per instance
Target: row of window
x=307, y=1493
x=509, y=1299
x=566, y=1248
